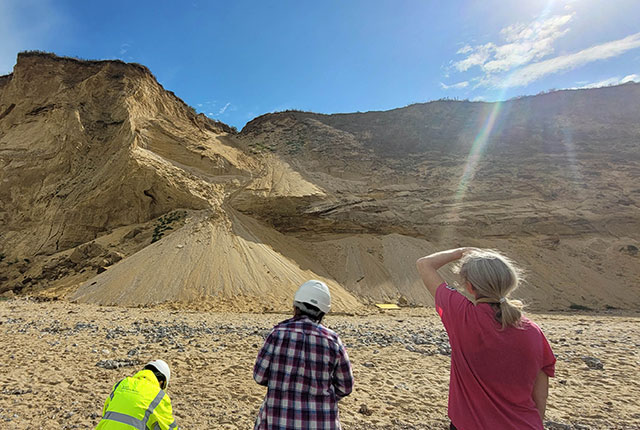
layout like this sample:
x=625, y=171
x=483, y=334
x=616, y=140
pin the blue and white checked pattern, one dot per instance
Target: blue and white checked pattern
x=307, y=371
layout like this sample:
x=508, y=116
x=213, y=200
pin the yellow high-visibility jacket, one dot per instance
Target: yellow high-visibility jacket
x=137, y=402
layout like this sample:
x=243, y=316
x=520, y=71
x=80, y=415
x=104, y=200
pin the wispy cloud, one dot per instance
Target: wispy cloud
x=524, y=43
x=124, y=48
x=617, y=80
x=535, y=71
x=525, y=54
x=457, y=86
x=224, y=108
x=477, y=56
x=630, y=78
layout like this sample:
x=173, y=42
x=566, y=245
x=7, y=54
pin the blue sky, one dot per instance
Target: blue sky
x=235, y=60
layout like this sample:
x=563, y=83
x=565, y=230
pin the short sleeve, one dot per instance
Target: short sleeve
x=449, y=302
x=548, y=358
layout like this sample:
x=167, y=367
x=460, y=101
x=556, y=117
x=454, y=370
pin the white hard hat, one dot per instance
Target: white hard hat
x=162, y=367
x=315, y=293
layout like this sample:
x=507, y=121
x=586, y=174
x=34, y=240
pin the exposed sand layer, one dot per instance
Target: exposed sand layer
x=106, y=178
x=50, y=377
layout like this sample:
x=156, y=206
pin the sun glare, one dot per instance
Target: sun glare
x=480, y=142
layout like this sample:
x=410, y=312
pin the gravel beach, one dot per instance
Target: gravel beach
x=61, y=359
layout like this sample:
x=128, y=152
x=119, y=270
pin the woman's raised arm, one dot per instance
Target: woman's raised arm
x=428, y=266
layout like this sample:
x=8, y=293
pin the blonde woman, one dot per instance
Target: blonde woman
x=500, y=360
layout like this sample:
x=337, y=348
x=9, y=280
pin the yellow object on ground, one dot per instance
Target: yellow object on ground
x=387, y=306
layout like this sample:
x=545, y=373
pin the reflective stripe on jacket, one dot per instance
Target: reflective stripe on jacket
x=137, y=402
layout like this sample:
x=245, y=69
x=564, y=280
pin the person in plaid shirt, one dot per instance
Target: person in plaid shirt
x=305, y=367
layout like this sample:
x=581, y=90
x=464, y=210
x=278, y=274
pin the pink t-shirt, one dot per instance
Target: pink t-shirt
x=492, y=370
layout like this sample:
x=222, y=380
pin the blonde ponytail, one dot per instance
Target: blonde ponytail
x=494, y=277
x=510, y=313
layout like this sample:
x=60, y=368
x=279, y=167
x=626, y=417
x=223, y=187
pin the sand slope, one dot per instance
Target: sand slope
x=233, y=263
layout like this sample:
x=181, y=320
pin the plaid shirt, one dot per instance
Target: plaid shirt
x=307, y=370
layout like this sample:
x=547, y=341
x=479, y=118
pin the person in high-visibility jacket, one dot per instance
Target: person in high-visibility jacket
x=139, y=401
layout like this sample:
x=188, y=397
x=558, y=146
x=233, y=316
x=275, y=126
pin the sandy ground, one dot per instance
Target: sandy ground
x=51, y=378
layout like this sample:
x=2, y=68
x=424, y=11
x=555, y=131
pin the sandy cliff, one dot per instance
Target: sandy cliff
x=550, y=179
x=114, y=191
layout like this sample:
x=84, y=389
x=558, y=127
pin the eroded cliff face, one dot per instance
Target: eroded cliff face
x=83, y=152
x=99, y=164
x=114, y=191
x=551, y=180
x=562, y=163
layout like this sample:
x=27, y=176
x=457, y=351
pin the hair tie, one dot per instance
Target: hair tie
x=503, y=299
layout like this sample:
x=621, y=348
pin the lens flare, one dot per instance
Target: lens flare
x=479, y=145
x=480, y=142
x=576, y=178
x=475, y=154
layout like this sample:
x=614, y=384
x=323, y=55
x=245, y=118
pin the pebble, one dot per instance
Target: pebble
x=593, y=363
x=138, y=337
x=115, y=364
x=364, y=410
x=16, y=391
x=552, y=425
